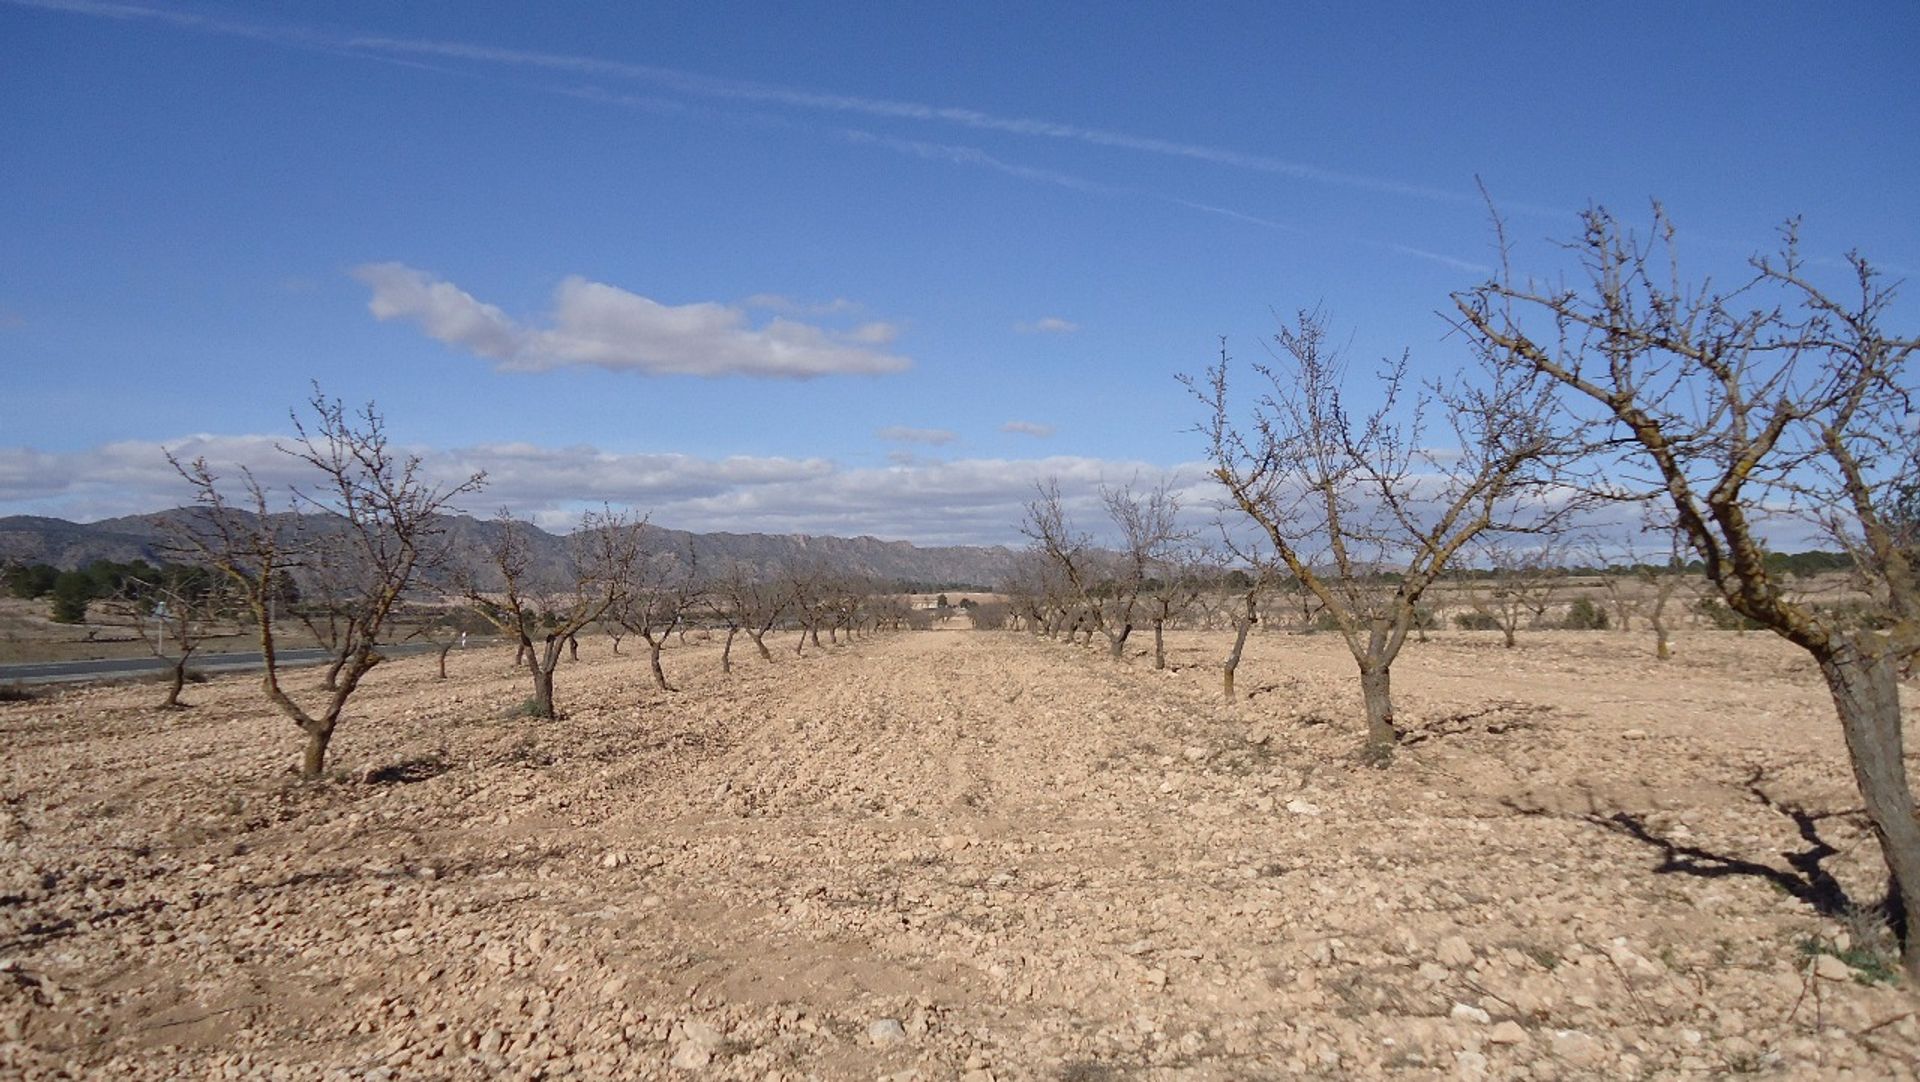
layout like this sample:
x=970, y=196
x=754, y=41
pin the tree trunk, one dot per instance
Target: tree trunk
x=179, y=681
x=1866, y=693
x=315, y=759
x=542, y=692
x=1240, y=629
x=653, y=659
x=1159, y=645
x=1118, y=644
x=521, y=653
x=573, y=648
x=1507, y=631
x=445, y=649
x=760, y=644
x=814, y=632
x=726, y=652
x=1662, y=643
x=1376, y=685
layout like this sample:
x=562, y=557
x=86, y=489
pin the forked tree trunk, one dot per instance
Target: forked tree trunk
x=1506, y=630
x=760, y=643
x=1159, y=644
x=1866, y=693
x=1376, y=687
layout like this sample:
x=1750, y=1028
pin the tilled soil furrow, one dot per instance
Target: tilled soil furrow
x=942, y=855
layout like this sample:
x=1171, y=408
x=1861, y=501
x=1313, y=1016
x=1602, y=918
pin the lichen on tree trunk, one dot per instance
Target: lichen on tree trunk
x=1866, y=693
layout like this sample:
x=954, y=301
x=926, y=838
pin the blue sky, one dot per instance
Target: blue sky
x=847, y=268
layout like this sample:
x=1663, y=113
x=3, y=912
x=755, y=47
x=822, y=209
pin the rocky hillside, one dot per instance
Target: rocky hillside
x=29, y=539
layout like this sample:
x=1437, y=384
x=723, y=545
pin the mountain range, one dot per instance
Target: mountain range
x=32, y=539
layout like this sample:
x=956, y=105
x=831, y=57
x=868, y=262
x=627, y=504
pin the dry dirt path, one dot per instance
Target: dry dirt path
x=934, y=855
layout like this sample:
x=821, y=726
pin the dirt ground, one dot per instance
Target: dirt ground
x=957, y=854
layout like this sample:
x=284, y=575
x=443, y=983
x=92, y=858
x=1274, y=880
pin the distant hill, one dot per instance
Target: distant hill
x=66, y=545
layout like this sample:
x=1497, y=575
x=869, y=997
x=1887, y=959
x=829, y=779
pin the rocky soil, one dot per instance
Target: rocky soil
x=960, y=855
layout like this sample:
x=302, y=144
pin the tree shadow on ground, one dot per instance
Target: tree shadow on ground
x=1805, y=878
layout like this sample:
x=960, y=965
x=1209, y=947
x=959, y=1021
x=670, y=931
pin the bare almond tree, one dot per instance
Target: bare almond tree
x=542, y=610
x=1518, y=584
x=743, y=599
x=1243, y=610
x=1743, y=410
x=1363, y=511
x=173, y=610
x=1151, y=572
x=1101, y=589
x=376, y=499
x=664, y=590
x=1644, y=584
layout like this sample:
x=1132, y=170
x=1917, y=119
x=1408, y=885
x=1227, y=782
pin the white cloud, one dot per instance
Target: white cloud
x=1028, y=428
x=969, y=501
x=903, y=434
x=609, y=327
x=1048, y=325
x=785, y=305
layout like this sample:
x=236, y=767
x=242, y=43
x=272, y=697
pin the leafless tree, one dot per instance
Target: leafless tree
x=1102, y=588
x=173, y=610
x=530, y=605
x=1741, y=410
x=1153, y=569
x=378, y=502
x=1517, y=584
x=1643, y=584
x=1244, y=612
x=444, y=627
x=745, y=600
x=664, y=590
x=1362, y=510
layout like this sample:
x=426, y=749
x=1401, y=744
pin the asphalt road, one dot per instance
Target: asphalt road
x=50, y=672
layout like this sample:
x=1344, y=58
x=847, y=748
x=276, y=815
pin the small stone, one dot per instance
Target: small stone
x=1299, y=806
x=691, y=1057
x=1434, y=973
x=1467, y=1012
x=1454, y=951
x=1829, y=968
x=886, y=1031
x=1578, y=1049
x=1507, y=1032
x=1634, y=734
